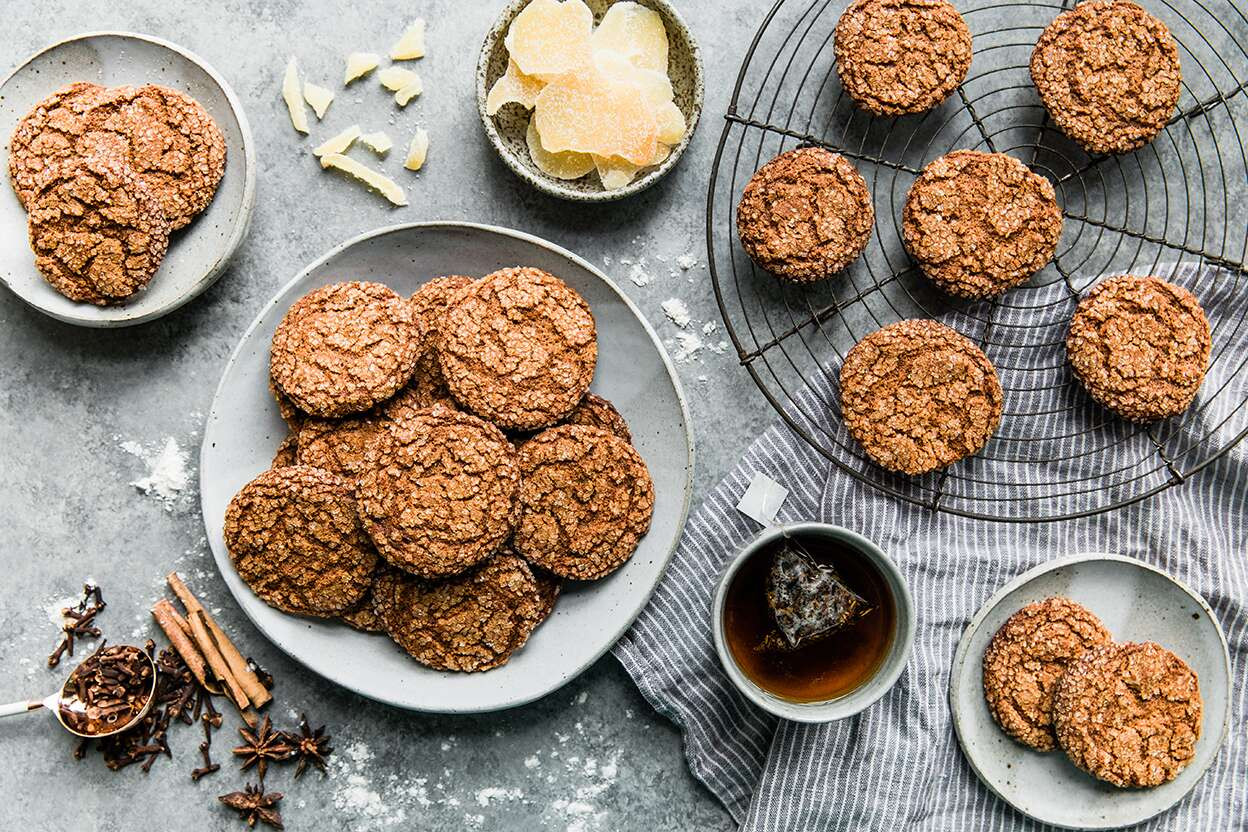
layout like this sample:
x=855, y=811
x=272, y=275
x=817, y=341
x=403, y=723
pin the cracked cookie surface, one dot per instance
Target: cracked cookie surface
x=1129, y=714
x=429, y=305
x=586, y=500
x=49, y=133
x=919, y=396
x=1025, y=659
x=519, y=348
x=1108, y=74
x=1140, y=346
x=295, y=538
x=980, y=223
x=901, y=56
x=596, y=412
x=805, y=215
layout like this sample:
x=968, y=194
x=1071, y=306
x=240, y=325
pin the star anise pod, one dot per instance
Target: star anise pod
x=263, y=744
x=309, y=747
x=254, y=804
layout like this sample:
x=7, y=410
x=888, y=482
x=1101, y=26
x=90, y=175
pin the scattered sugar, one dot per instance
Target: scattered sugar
x=167, y=471
x=686, y=261
x=709, y=327
x=677, y=312
x=473, y=821
x=495, y=794
x=688, y=346
x=638, y=274
x=581, y=697
x=532, y=762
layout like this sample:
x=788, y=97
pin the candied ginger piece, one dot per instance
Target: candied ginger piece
x=590, y=113
x=339, y=143
x=566, y=165
x=417, y=150
x=383, y=185
x=378, y=142
x=293, y=97
x=411, y=44
x=636, y=32
x=550, y=38
x=405, y=95
x=359, y=64
x=655, y=86
x=395, y=78
x=513, y=87
x=671, y=123
x=318, y=98
x=614, y=173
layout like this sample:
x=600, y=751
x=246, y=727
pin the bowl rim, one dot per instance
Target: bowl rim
x=867, y=693
x=241, y=223
x=551, y=186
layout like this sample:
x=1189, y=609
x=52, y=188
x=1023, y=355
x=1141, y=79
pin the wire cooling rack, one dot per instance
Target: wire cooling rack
x=1177, y=208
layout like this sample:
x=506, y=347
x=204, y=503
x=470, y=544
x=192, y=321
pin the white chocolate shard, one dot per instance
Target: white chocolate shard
x=549, y=38
x=318, y=97
x=378, y=142
x=513, y=87
x=636, y=32
x=417, y=150
x=360, y=64
x=395, y=78
x=382, y=184
x=566, y=165
x=339, y=143
x=411, y=45
x=294, y=97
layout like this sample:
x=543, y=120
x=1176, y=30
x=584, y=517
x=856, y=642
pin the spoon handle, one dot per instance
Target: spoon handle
x=14, y=708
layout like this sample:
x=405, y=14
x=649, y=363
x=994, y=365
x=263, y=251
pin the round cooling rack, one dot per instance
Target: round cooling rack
x=1175, y=208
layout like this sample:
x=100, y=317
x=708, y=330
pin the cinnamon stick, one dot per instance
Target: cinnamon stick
x=215, y=660
x=177, y=630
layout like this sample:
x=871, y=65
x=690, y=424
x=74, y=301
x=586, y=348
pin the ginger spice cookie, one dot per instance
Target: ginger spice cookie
x=805, y=215
x=596, y=412
x=519, y=348
x=585, y=501
x=1140, y=346
x=901, y=56
x=49, y=133
x=471, y=622
x=364, y=617
x=168, y=139
x=1129, y=714
x=979, y=223
x=430, y=303
x=919, y=396
x=286, y=452
x=1025, y=659
x=1108, y=73
x=442, y=497
x=98, y=232
x=295, y=539
x=344, y=347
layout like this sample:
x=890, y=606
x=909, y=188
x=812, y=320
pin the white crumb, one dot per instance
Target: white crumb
x=167, y=471
x=677, y=312
x=688, y=346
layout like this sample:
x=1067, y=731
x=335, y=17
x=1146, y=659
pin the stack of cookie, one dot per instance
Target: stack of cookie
x=1126, y=713
x=105, y=175
x=446, y=467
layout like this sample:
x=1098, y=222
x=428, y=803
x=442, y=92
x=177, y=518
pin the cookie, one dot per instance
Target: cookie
x=1025, y=659
x=168, y=139
x=596, y=412
x=286, y=452
x=1140, y=346
x=364, y=617
x=344, y=347
x=425, y=389
x=471, y=622
x=430, y=303
x=1128, y=714
x=919, y=396
x=980, y=223
x=295, y=538
x=1108, y=74
x=585, y=501
x=49, y=133
x=442, y=497
x=349, y=447
x=98, y=233
x=805, y=215
x=901, y=56
x=289, y=411
x=519, y=348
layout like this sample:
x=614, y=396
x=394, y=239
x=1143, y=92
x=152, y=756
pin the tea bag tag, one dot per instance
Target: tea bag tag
x=762, y=500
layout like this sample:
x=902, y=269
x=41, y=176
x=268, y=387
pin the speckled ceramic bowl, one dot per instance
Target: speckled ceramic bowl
x=507, y=127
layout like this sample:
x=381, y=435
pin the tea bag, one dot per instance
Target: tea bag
x=807, y=599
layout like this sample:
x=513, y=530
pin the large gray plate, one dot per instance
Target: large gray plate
x=1137, y=603
x=198, y=253
x=633, y=372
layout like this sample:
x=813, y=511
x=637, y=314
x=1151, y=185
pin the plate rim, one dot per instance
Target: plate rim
x=964, y=643
x=241, y=223
x=689, y=467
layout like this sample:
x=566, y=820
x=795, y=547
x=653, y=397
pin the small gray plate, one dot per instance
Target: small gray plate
x=1137, y=603
x=634, y=372
x=197, y=253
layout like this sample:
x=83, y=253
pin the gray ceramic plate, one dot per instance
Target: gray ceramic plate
x=198, y=253
x=1137, y=603
x=634, y=372
x=506, y=128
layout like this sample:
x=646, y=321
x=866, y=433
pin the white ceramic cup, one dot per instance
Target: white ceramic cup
x=869, y=691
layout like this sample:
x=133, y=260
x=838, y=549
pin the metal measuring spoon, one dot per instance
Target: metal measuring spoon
x=64, y=698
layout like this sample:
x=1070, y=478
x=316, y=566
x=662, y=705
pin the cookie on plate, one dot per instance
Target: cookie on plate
x=1025, y=659
x=98, y=232
x=901, y=56
x=295, y=538
x=442, y=497
x=805, y=215
x=585, y=502
x=430, y=303
x=919, y=396
x=49, y=133
x=1108, y=73
x=1140, y=346
x=519, y=348
x=596, y=412
x=1129, y=714
x=287, y=452
x=471, y=622
x=345, y=347
x=980, y=223
x=364, y=616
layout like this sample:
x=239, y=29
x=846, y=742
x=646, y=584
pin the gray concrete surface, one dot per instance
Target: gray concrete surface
x=593, y=756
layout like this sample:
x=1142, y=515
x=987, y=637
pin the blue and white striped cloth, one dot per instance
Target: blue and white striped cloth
x=897, y=766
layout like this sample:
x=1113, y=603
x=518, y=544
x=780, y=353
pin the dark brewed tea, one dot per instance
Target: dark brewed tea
x=828, y=667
